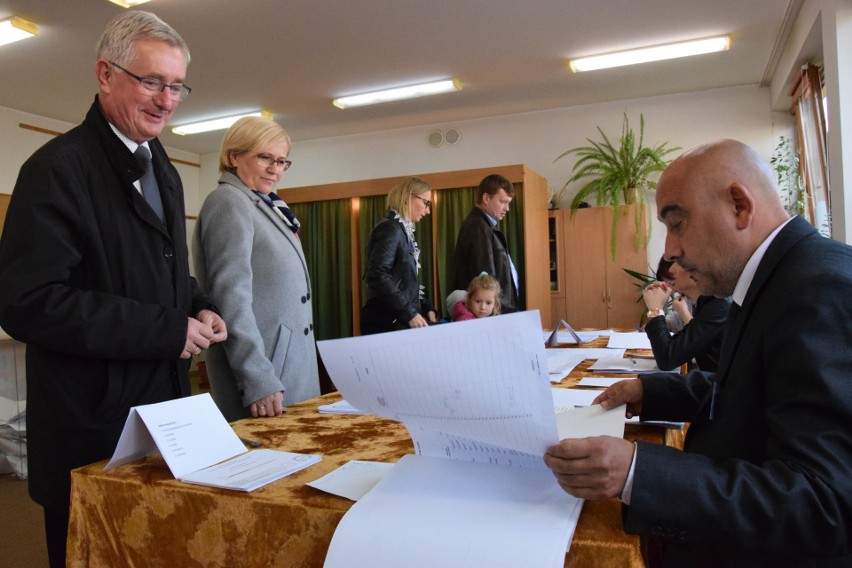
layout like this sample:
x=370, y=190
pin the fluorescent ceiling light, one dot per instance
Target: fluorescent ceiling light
x=399, y=93
x=216, y=123
x=654, y=53
x=128, y=3
x=15, y=29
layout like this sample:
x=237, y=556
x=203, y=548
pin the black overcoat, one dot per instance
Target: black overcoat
x=99, y=290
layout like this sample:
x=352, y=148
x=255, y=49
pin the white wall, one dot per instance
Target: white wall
x=536, y=139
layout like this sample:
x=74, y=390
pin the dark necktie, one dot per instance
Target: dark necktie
x=150, y=190
x=733, y=311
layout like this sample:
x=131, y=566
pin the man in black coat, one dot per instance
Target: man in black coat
x=482, y=247
x=92, y=278
x=765, y=478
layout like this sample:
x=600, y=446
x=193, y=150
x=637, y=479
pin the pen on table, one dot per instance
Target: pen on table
x=251, y=443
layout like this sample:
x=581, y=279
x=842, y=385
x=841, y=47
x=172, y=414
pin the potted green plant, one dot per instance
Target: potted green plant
x=785, y=162
x=620, y=173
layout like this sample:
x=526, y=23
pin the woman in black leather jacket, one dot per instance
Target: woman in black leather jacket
x=702, y=334
x=394, y=297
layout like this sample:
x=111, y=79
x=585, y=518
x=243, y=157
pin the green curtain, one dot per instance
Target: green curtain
x=372, y=211
x=453, y=207
x=326, y=240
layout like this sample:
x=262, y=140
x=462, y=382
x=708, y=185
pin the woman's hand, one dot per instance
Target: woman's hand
x=656, y=295
x=681, y=308
x=270, y=405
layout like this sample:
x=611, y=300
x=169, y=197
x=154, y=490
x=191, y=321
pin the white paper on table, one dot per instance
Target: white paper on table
x=339, y=407
x=604, y=382
x=585, y=421
x=516, y=517
x=566, y=337
x=198, y=445
x=562, y=360
x=629, y=340
x=560, y=363
x=485, y=382
x=353, y=479
x=625, y=365
x=573, y=397
x=189, y=432
x=252, y=469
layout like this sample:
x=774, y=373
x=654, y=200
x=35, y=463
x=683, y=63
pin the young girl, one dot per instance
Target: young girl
x=482, y=299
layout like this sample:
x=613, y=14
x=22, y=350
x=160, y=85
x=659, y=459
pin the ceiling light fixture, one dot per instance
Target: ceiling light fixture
x=15, y=29
x=399, y=93
x=216, y=123
x=653, y=53
x=128, y=3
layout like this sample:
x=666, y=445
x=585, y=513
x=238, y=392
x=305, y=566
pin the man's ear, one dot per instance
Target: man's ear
x=103, y=71
x=743, y=202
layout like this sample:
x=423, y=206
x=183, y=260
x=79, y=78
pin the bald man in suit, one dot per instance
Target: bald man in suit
x=765, y=478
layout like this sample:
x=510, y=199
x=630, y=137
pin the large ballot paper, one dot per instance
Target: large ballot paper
x=476, y=398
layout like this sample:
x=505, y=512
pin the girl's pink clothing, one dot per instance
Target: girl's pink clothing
x=461, y=313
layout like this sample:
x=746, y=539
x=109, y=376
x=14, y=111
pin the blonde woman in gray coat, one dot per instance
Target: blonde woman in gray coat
x=249, y=259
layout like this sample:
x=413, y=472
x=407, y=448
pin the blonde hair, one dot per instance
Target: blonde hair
x=399, y=197
x=246, y=135
x=484, y=282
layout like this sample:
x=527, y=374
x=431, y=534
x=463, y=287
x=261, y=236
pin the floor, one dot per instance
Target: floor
x=21, y=527
x=21, y=523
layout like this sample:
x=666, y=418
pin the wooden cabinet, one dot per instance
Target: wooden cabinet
x=592, y=290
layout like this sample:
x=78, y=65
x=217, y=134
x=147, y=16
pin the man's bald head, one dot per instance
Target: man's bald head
x=719, y=202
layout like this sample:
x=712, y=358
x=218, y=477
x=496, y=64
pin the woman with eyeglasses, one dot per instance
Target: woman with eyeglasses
x=248, y=257
x=395, y=299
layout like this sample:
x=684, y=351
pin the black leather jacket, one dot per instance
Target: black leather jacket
x=393, y=292
x=701, y=338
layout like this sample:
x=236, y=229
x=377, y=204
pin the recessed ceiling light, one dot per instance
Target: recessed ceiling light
x=128, y=3
x=216, y=123
x=15, y=29
x=653, y=53
x=399, y=93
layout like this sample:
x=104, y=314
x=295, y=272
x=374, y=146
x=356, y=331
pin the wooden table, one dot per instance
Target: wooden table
x=139, y=515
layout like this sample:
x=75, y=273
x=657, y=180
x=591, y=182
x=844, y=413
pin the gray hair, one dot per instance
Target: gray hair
x=117, y=42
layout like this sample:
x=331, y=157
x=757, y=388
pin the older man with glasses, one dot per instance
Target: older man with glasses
x=94, y=273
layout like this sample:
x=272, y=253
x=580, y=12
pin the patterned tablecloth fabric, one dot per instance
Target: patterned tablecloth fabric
x=139, y=515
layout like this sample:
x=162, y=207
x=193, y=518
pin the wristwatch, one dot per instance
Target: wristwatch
x=656, y=312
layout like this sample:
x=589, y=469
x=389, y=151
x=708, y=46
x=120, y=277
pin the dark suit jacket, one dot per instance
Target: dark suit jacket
x=767, y=481
x=481, y=247
x=701, y=338
x=393, y=291
x=99, y=290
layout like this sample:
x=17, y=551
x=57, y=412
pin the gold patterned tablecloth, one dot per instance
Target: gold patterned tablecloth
x=139, y=515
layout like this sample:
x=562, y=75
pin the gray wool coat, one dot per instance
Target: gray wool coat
x=253, y=267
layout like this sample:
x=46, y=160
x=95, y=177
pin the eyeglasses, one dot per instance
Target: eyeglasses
x=266, y=160
x=152, y=86
x=426, y=202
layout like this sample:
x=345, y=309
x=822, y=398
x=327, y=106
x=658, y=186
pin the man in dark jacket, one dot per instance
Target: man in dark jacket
x=482, y=247
x=94, y=277
x=765, y=478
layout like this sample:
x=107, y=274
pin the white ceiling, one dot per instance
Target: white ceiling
x=292, y=57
